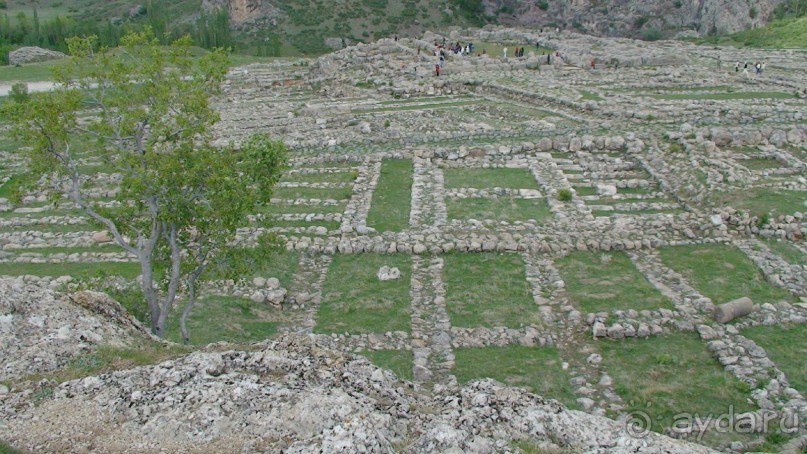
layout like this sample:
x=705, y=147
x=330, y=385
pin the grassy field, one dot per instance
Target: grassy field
x=788, y=33
x=677, y=375
x=608, y=282
x=726, y=96
x=40, y=72
x=722, y=273
x=389, y=208
x=786, y=250
x=501, y=209
x=108, y=359
x=312, y=193
x=537, y=369
x=220, y=318
x=760, y=163
x=300, y=209
x=489, y=178
x=354, y=300
x=488, y=290
x=77, y=270
x=398, y=361
x=760, y=201
x=787, y=348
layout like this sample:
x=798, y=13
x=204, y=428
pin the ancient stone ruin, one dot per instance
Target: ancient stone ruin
x=569, y=230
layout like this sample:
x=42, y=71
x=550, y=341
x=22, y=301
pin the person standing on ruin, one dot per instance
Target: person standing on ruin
x=437, y=70
x=593, y=64
x=504, y=51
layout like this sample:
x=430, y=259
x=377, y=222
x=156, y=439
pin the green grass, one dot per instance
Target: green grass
x=667, y=375
x=489, y=178
x=637, y=191
x=330, y=225
x=32, y=72
x=52, y=228
x=787, y=33
x=590, y=96
x=42, y=71
x=585, y=190
x=604, y=213
x=488, y=290
x=399, y=362
x=786, y=347
x=389, y=209
x=760, y=163
x=722, y=273
x=312, y=193
x=354, y=300
x=77, y=270
x=14, y=184
x=329, y=177
x=786, y=250
x=612, y=201
x=107, y=359
x=104, y=249
x=221, y=318
x=300, y=209
x=760, y=201
x=407, y=107
x=495, y=50
x=56, y=212
x=537, y=369
x=6, y=449
x=725, y=96
x=279, y=264
x=502, y=209
x=608, y=282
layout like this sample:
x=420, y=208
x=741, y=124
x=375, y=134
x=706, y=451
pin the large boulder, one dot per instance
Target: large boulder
x=32, y=55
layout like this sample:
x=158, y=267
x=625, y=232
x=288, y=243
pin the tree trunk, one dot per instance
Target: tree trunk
x=183, y=325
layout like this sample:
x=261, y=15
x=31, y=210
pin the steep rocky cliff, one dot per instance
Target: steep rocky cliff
x=627, y=17
x=603, y=17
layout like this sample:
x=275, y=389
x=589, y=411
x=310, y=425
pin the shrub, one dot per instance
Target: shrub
x=763, y=220
x=3, y=4
x=543, y=5
x=640, y=21
x=19, y=92
x=651, y=34
x=753, y=12
x=565, y=195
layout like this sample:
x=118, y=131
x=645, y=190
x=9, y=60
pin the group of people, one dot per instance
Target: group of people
x=456, y=48
x=441, y=50
x=518, y=53
x=758, y=67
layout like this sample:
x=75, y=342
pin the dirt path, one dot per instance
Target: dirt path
x=5, y=88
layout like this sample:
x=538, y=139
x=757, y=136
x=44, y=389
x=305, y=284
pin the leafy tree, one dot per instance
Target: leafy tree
x=181, y=198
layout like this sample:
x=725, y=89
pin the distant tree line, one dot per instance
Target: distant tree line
x=790, y=8
x=210, y=30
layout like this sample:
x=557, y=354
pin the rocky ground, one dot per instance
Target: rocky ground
x=288, y=395
x=42, y=330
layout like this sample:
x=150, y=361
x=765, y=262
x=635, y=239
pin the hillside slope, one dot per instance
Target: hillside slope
x=293, y=27
x=633, y=17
